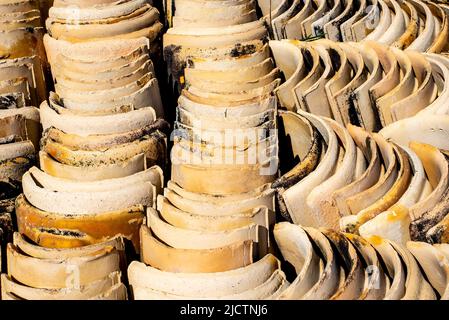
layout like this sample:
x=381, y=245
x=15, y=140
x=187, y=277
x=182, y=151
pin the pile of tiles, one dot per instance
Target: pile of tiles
x=342, y=266
x=22, y=55
x=21, y=33
x=22, y=87
x=359, y=182
x=356, y=197
x=101, y=155
x=418, y=25
x=100, y=135
x=81, y=21
x=195, y=13
x=78, y=21
x=212, y=30
x=365, y=84
x=260, y=280
x=213, y=220
x=19, y=129
x=90, y=272
x=430, y=128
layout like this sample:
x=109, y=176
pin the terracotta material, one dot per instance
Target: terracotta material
x=63, y=231
x=203, y=285
x=18, y=291
x=161, y=256
x=289, y=59
x=394, y=223
x=298, y=209
x=375, y=279
x=186, y=220
x=368, y=178
x=330, y=272
x=52, y=273
x=84, y=125
x=111, y=171
x=394, y=266
x=351, y=286
x=296, y=248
